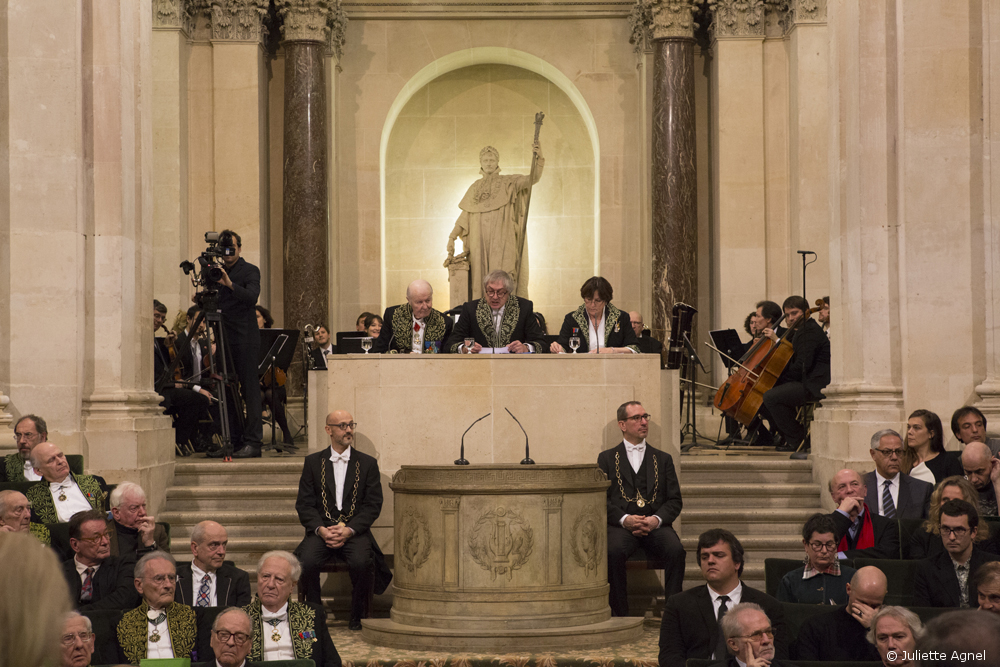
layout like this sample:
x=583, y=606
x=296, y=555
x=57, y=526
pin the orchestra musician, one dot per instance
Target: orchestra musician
x=273, y=388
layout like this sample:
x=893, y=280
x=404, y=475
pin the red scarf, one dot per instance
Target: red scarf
x=866, y=536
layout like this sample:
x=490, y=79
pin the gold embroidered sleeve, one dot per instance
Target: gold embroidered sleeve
x=302, y=620
x=132, y=634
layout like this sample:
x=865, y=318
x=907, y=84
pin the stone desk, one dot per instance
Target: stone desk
x=493, y=557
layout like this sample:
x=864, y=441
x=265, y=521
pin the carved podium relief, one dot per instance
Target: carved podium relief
x=500, y=542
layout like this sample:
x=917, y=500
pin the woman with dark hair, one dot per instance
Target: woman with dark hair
x=924, y=445
x=373, y=325
x=275, y=391
x=926, y=542
x=264, y=318
x=600, y=326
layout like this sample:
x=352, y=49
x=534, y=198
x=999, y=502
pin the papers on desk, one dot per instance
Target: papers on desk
x=494, y=350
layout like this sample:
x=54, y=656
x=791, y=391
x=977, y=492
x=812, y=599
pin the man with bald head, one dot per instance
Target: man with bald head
x=15, y=516
x=840, y=634
x=983, y=471
x=29, y=430
x=414, y=326
x=861, y=533
x=647, y=344
x=340, y=496
x=208, y=580
x=61, y=494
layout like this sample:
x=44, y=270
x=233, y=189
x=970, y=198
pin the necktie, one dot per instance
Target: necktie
x=888, y=507
x=720, y=644
x=203, y=592
x=87, y=592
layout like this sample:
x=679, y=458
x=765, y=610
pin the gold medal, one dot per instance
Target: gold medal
x=62, y=496
x=155, y=637
x=275, y=636
x=640, y=502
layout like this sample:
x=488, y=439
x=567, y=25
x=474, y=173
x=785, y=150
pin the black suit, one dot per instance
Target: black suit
x=361, y=551
x=935, y=583
x=803, y=380
x=913, y=500
x=655, y=473
x=618, y=331
x=689, y=628
x=649, y=345
x=835, y=635
x=886, y=536
x=232, y=586
x=114, y=586
x=524, y=329
x=239, y=315
x=189, y=406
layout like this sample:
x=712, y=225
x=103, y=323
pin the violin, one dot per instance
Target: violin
x=266, y=380
x=173, y=368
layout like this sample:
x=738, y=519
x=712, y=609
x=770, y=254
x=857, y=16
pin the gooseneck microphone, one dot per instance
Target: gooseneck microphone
x=462, y=460
x=527, y=459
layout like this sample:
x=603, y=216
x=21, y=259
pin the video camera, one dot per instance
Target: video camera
x=208, y=272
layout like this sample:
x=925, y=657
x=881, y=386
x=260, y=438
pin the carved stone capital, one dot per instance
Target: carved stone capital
x=200, y=12
x=304, y=20
x=737, y=18
x=775, y=18
x=337, y=21
x=239, y=20
x=170, y=14
x=806, y=11
x=673, y=18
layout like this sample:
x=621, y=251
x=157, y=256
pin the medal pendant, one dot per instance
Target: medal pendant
x=155, y=637
x=62, y=497
x=640, y=502
x=276, y=636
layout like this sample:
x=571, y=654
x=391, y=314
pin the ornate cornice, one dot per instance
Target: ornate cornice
x=239, y=20
x=304, y=20
x=200, y=12
x=661, y=19
x=337, y=21
x=805, y=11
x=775, y=18
x=737, y=18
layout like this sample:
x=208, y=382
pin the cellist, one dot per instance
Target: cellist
x=803, y=380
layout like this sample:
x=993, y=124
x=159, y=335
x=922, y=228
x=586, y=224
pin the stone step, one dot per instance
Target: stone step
x=273, y=471
x=249, y=498
x=238, y=523
x=746, y=522
x=732, y=496
x=744, y=470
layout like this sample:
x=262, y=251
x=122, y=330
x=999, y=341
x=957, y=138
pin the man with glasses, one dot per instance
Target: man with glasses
x=891, y=493
x=340, y=496
x=947, y=579
x=821, y=579
x=231, y=639
x=30, y=430
x=97, y=580
x=497, y=321
x=133, y=531
x=643, y=500
x=983, y=471
x=158, y=627
x=860, y=532
x=749, y=637
x=77, y=641
x=840, y=634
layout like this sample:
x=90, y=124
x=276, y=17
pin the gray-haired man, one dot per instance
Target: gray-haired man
x=497, y=321
x=891, y=493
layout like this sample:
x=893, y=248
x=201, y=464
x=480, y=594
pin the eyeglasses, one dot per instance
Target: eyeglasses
x=160, y=578
x=594, y=302
x=957, y=532
x=890, y=453
x=757, y=636
x=97, y=539
x=823, y=546
x=497, y=293
x=638, y=418
x=239, y=638
x=24, y=436
x=345, y=426
x=69, y=640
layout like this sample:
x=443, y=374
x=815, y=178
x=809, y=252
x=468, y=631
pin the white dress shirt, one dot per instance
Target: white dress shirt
x=219, y=664
x=76, y=500
x=418, y=336
x=340, y=462
x=281, y=649
x=636, y=453
x=29, y=472
x=196, y=359
x=734, y=596
x=163, y=648
x=893, y=491
x=596, y=336
x=81, y=569
x=197, y=574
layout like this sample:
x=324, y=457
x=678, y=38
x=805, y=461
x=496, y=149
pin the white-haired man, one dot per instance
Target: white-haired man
x=77, y=641
x=61, y=494
x=749, y=637
x=284, y=629
x=158, y=627
x=497, y=321
x=132, y=530
x=208, y=580
x=15, y=516
x=29, y=430
x=894, y=632
x=414, y=326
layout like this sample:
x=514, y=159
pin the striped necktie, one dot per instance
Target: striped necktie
x=888, y=507
x=203, y=592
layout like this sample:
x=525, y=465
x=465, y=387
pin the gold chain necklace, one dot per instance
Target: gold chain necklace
x=344, y=518
x=638, y=500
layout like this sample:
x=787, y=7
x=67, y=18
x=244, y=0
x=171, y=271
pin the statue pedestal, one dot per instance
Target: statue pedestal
x=458, y=283
x=490, y=555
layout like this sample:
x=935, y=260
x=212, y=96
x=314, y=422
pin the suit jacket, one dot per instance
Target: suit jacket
x=660, y=475
x=732, y=663
x=935, y=583
x=132, y=632
x=310, y=635
x=397, y=329
x=43, y=510
x=649, y=345
x=160, y=541
x=618, y=331
x=238, y=305
x=232, y=586
x=12, y=468
x=886, y=536
x=689, y=628
x=835, y=635
x=114, y=586
x=476, y=321
x=914, y=496
x=810, y=363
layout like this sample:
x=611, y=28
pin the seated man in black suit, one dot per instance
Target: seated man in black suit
x=61, y=494
x=340, y=496
x=97, y=580
x=860, y=532
x=414, y=326
x=749, y=637
x=840, y=634
x=822, y=579
x=983, y=470
x=890, y=493
x=894, y=632
x=158, y=627
x=690, y=627
x=208, y=580
x=283, y=629
x=133, y=532
x=944, y=580
x=646, y=344
x=29, y=430
x=323, y=349
x=230, y=641
x=77, y=641
x=643, y=500
x=498, y=320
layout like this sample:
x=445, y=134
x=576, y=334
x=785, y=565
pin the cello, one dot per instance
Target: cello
x=742, y=394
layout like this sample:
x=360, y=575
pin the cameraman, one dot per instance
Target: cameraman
x=240, y=287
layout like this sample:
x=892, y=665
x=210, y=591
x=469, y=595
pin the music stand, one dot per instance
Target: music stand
x=349, y=342
x=278, y=346
x=692, y=412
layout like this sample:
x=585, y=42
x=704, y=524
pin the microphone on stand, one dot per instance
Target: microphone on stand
x=527, y=459
x=462, y=461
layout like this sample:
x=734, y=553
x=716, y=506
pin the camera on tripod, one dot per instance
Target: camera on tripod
x=220, y=244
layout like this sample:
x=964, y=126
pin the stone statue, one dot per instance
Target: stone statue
x=492, y=222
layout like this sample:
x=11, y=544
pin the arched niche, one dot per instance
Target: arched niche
x=430, y=156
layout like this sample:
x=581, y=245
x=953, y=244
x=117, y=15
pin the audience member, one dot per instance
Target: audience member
x=749, y=637
x=264, y=318
x=983, y=470
x=893, y=494
x=294, y=630
x=29, y=431
x=926, y=542
x=77, y=641
x=894, y=632
x=823, y=316
x=158, y=627
x=96, y=579
x=373, y=326
x=599, y=325
x=497, y=320
x=208, y=580
x=944, y=580
x=338, y=525
x=860, y=532
x=15, y=516
x=690, y=625
x=643, y=500
x=273, y=392
x=821, y=579
x=646, y=344
x=967, y=638
x=360, y=324
x=231, y=633
x=323, y=347
x=541, y=324
x=840, y=634
x=414, y=326
x=969, y=425
x=987, y=583
x=926, y=458
x=61, y=494
x=132, y=530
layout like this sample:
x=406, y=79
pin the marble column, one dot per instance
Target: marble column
x=674, y=188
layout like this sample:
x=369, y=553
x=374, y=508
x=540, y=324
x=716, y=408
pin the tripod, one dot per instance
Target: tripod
x=218, y=366
x=690, y=427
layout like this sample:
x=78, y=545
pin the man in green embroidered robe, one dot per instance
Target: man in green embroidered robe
x=159, y=627
x=414, y=326
x=30, y=430
x=15, y=516
x=498, y=320
x=61, y=494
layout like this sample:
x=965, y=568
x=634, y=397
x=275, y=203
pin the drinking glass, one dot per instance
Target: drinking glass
x=469, y=342
x=366, y=343
x=574, y=343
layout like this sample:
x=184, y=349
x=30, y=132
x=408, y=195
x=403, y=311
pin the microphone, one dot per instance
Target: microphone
x=462, y=461
x=527, y=459
x=806, y=252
